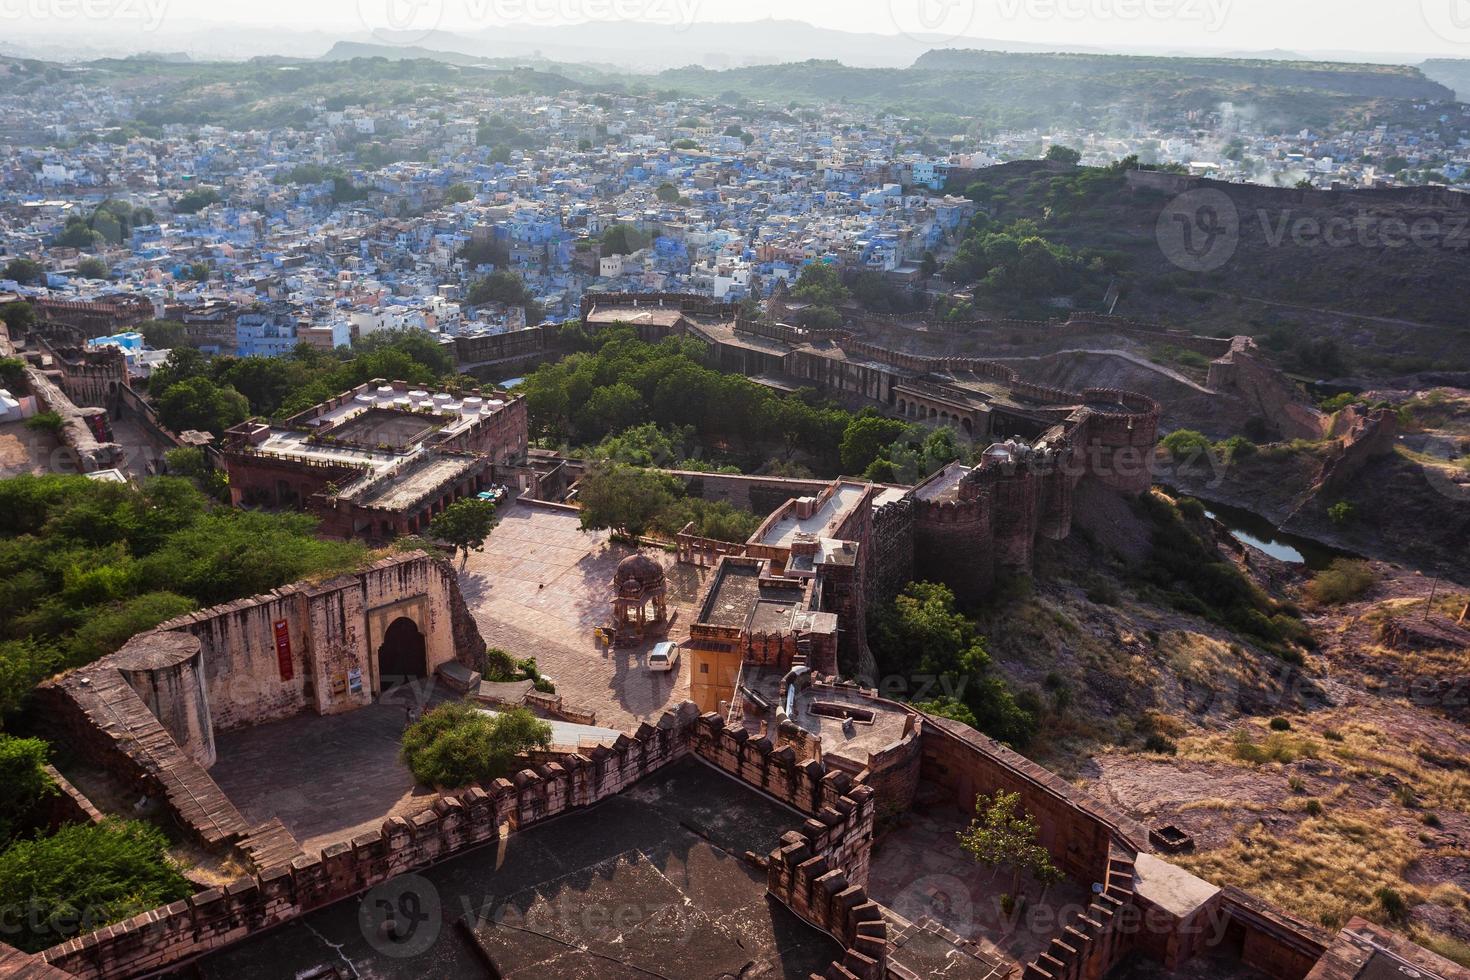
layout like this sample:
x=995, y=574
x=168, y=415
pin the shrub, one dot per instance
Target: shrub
x=1236, y=448
x=83, y=877
x=1341, y=512
x=1280, y=725
x=1314, y=808
x=1395, y=906
x=1343, y=581
x=457, y=744
x=23, y=774
x=1161, y=744
x=1186, y=444
x=45, y=422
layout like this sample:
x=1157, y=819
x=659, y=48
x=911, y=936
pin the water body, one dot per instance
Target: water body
x=1251, y=528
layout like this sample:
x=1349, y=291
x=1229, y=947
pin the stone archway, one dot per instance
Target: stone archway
x=402, y=656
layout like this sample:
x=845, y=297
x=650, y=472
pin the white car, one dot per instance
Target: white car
x=665, y=656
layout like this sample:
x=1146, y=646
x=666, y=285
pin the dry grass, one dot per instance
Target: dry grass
x=1328, y=869
x=1363, y=751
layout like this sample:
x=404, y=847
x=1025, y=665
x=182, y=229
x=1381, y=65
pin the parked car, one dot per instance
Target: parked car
x=665, y=656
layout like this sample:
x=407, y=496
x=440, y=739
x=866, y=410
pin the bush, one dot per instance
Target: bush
x=48, y=422
x=83, y=877
x=1236, y=448
x=457, y=744
x=1280, y=725
x=1186, y=444
x=1161, y=744
x=1343, y=581
x=1395, y=906
x=23, y=774
x=1341, y=512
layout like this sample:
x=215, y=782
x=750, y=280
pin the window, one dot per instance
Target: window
x=704, y=668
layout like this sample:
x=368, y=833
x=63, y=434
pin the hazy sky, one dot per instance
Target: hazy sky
x=1408, y=26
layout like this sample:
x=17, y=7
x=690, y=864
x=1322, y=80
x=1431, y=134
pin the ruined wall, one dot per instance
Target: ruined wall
x=85, y=432
x=330, y=630
x=100, y=717
x=1266, y=391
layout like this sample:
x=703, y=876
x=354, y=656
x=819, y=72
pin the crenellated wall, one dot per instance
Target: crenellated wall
x=219, y=917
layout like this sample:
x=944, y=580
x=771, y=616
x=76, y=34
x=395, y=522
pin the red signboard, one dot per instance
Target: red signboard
x=283, y=650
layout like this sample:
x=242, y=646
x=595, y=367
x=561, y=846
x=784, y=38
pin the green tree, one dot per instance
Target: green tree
x=163, y=334
x=27, y=272
x=821, y=284
x=196, y=200
x=12, y=372
x=459, y=194
x=93, y=268
x=507, y=288
x=18, y=317
x=623, y=498
x=621, y=240
x=1186, y=444
x=667, y=193
x=83, y=877
x=23, y=774
x=865, y=437
x=922, y=634
x=1002, y=833
x=457, y=744
x=198, y=403
x=48, y=422
x=1057, y=153
x=464, y=524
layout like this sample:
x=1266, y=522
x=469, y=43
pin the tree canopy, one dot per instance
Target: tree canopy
x=85, y=565
x=464, y=524
x=457, y=744
x=922, y=634
x=83, y=877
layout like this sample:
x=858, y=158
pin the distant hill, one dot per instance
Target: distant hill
x=1338, y=78
x=1390, y=305
x=1454, y=72
x=1023, y=90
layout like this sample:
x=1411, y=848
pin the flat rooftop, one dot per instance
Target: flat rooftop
x=943, y=485
x=823, y=522
x=648, y=883
x=398, y=429
x=416, y=481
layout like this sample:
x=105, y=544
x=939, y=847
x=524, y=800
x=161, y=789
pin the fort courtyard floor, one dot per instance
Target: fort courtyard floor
x=650, y=883
x=543, y=585
x=920, y=872
x=326, y=777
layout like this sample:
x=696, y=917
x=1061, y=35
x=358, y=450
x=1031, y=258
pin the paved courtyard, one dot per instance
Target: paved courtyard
x=327, y=777
x=25, y=451
x=920, y=871
x=540, y=588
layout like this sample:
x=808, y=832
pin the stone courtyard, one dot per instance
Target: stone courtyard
x=919, y=871
x=326, y=777
x=540, y=589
